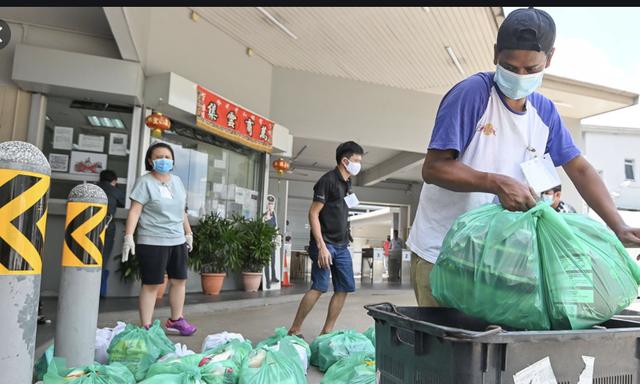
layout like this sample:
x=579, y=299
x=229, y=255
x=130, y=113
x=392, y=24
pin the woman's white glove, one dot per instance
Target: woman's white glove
x=189, y=241
x=128, y=245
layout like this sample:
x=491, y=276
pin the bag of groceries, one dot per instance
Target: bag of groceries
x=331, y=347
x=534, y=270
x=114, y=373
x=359, y=368
x=196, y=368
x=266, y=366
x=301, y=346
x=138, y=348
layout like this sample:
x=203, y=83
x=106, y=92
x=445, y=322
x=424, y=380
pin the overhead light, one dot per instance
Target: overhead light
x=277, y=23
x=453, y=57
x=106, y=122
x=427, y=9
x=118, y=123
x=94, y=120
x=46, y=117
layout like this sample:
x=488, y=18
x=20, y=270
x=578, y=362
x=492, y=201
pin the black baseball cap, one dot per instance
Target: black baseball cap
x=528, y=29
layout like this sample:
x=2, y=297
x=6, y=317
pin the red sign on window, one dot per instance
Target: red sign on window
x=224, y=118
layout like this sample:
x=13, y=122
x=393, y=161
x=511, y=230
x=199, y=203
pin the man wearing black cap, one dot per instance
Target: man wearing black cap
x=486, y=127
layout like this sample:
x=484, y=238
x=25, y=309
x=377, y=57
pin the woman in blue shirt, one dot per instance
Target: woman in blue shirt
x=164, y=238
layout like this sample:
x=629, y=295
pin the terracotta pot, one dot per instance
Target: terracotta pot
x=251, y=281
x=212, y=283
x=163, y=287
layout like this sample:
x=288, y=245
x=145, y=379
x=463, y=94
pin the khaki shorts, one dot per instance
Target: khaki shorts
x=420, y=270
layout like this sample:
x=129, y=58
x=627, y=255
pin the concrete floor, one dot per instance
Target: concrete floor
x=257, y=323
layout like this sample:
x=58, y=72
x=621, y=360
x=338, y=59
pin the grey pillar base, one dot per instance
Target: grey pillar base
x=78, y=303
x=19, y=296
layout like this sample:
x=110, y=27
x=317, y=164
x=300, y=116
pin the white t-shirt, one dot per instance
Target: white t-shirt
x=474, y=119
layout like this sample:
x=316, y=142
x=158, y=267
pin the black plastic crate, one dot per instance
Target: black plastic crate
x=422, y=345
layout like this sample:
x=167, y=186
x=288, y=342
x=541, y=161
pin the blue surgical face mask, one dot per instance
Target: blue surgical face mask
x=516, y=86
x=162, y=165
x=547, y=198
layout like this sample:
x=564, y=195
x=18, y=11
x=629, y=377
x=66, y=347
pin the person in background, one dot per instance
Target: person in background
x=397, y=244
x=386, y=246
x=330, y=237
x=115, y=198
x=164, y=237
x=552, y=197
x=270, y=217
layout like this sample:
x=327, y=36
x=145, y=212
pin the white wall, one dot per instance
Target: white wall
x=321, y=107
x=205, y=55
x=569, y=192
x=47, y=37
x=607, y=152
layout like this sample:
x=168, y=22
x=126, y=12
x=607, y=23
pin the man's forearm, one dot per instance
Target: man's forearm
x=458, y=177
x=316, y=232
x=593, y=191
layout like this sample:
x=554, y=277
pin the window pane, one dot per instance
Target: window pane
x=217, y=179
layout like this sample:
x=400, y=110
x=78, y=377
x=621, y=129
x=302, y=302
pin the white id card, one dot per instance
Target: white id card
x=351, y=200
x=165, y=193
x=540, y=173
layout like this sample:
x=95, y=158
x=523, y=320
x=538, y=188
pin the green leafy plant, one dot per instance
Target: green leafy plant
x=216, y=244
x=130, y=270
x=257, y=243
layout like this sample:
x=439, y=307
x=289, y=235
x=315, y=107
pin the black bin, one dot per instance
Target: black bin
x=422, y=345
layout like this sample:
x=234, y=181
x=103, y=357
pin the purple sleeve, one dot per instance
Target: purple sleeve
x=459, y=113
x=560, y=144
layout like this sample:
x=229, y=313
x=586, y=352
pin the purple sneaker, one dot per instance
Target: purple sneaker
x=180, y=326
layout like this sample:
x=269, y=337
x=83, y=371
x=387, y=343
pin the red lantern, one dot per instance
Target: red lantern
x=280, y=166
x=158, y=123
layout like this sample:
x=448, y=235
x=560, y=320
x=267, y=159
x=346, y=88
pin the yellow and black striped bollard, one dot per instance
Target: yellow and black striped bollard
x=24, y=189
x=79, y=296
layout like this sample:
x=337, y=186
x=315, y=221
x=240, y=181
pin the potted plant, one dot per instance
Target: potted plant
x=215, y=248
x=257, y=243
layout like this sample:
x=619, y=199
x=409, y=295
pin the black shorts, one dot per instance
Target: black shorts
x=155, y=260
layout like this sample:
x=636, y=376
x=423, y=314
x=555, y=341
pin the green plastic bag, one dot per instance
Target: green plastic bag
x=195, y=369
x=370, y=333
x=266, y=366
x=588, y=273
x=329, y=348
x=301, y=346
x=138, y=348
x=234, y=350
x=534, y=270
x=359, y=368
x=91, y=374
x=42, y=365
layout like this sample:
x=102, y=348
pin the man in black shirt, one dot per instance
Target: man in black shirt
x=330, y=236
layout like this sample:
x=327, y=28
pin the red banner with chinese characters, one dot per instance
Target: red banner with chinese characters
x=224, y=118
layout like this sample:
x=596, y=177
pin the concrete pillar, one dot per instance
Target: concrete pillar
x=24, y=189
x=79, y=297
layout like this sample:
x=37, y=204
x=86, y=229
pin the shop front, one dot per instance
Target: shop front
x=85, y=124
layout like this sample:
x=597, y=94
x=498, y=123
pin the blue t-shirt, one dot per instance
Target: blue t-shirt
x=163, y=208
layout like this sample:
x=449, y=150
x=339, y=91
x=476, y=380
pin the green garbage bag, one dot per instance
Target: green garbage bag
x=234, y=350
x=533, y=270
x=91, y=374
x=370, y=333
x=301, y=346
x=42, y=365
x=266, y=366
x=138, y=348
x=196, y=369
x=331, y=347
x=359, y=368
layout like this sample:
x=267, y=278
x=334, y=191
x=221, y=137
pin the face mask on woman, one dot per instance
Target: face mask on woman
x=162, y=165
